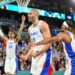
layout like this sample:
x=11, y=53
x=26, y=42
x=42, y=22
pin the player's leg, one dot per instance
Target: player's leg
x=70, y=67
x=33, y=70
x=33, y=67
x=48, y=71
x=7, y=66
x=40, y=64
x=14, y=66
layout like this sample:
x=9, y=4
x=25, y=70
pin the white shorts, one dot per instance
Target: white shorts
x=11, y=66
x=41, y=65
x=70, y=67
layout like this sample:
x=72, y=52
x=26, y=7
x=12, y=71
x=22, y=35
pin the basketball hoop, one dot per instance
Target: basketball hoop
x=22, y=3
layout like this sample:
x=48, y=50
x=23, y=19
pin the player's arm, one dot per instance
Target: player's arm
x=21, y=28
x=25, y=57
x=47, y=40
x=2, y=35
x=46, y=33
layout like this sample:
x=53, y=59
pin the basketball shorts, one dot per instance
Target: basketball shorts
x=11, y=65
x=70, y=67
x=41, y=65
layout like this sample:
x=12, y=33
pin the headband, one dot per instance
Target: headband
x=65, y=24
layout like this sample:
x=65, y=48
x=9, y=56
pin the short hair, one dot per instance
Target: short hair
x=36, y=12
x=12, y=31
x=70, y=24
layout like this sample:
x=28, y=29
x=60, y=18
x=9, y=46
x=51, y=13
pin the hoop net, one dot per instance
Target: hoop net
x=22, y=3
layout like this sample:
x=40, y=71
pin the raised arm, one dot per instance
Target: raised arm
x=2, y=35
x=21, y=28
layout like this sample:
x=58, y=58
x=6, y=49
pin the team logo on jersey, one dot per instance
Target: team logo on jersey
x=34, y=33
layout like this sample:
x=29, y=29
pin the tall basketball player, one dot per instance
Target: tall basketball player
x=11, y=65
x=39, y=30
x=67, y=36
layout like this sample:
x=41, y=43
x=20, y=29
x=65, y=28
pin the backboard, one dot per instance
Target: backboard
x=3, y=2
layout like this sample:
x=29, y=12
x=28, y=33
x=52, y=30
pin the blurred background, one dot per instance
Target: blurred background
x=54, y=12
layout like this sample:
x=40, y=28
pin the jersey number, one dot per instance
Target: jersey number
x=10, y=46
x=33, y=39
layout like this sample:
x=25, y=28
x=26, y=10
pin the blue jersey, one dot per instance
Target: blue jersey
x=69, y=49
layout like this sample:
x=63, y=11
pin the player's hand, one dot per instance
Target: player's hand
x=34, y=55
x=24, y=57
x=23, y=18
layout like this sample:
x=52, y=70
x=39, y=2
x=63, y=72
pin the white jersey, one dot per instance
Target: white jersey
x=11, y=49
x=36, y=35
x=69, y=49
x=41, y=64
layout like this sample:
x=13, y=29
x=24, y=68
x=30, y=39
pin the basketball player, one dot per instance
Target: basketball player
x=11, y=46
x=67, y=36
x=38, y=31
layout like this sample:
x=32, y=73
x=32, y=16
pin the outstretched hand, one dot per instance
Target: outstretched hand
x=34, y=55
x=23, y=18
x=24, y=57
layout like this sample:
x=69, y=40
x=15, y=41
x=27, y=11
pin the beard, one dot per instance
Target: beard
x=32, y=19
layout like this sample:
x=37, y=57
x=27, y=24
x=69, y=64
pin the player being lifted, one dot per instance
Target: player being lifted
x=11, y=64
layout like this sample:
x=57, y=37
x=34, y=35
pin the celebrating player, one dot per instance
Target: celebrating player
x=11, y=65
x=39, y=30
